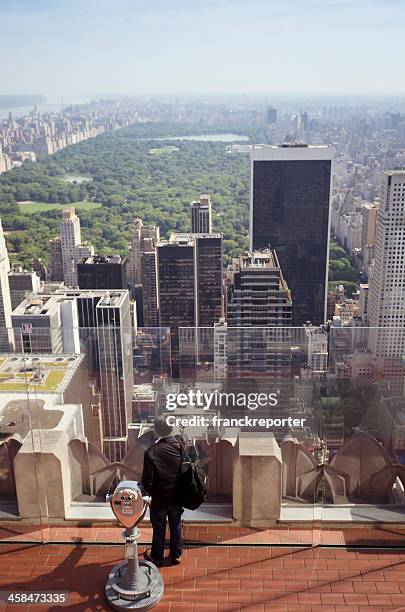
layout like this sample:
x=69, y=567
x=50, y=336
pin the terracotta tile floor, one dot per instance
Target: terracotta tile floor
x=218, y=578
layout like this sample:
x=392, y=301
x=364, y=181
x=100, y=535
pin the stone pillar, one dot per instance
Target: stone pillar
x=42, y=479
x=257, y=479
x=45, y=473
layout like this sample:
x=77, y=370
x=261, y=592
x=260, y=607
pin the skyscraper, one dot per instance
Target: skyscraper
x=140, y=233
x=56, y=262
x=189, y=283
x=201, y=213
x=39, y=267
x=257, y=294
x=72, y=247
x=70, y=239
x=3, y=161
x=21, y=283
x=386, y=305
x=142, y=272
x=290, y=212
x=209, y=265
x=149, y=284
x=83, y=251
x=46, y=323
x=257, y=298
x=99, y=272
x=6, y=336
x=115, y=346
x=368, y=227
x=190, y=270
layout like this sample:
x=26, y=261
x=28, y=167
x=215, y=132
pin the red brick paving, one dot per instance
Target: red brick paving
x=353, y=535
x=219, y=578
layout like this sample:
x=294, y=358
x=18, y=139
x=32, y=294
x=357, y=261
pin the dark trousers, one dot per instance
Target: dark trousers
x=158, y=520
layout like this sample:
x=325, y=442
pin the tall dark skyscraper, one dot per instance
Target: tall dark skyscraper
x=176, y=283
x=150, y=311
x=190, y=280
x=99, y=272
x=189, y=283
x=290, y=212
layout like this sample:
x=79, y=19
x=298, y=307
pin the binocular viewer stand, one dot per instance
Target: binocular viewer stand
x=132, y=584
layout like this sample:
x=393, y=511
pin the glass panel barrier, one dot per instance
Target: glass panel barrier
x=292, y=425
x=23, y=418
x=245, y=401
x=102, y=387
x=362, y=427
x=106, y=385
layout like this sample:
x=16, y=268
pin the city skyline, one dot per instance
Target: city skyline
x=185, y=323
x=202, y=250
x=158, y=48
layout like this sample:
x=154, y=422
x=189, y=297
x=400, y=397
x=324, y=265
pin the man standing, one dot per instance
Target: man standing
x=161, y=468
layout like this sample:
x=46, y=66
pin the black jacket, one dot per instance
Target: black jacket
x=161, y=468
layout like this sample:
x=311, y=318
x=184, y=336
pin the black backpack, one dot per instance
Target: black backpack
x=192, y=483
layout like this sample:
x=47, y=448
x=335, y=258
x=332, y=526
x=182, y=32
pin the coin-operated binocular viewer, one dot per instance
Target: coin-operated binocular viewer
x=132, y=584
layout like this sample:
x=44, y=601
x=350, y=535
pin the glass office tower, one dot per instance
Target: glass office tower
x=290, y=212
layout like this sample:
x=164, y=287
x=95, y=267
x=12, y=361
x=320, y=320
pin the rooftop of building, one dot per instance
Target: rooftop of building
x=48, y=287
x=291, y=145
x=291, y=152
x=23, y=273
x=103, y=259
x=178, y=237
x=144, y=392
x=21, y=416
x=200, y=204
x=112, y=299
x=69, y=214
x=265, y=258
x=70, y=293
x=182, y=239
x=347, y=303
x=36, y=372
x=205, y=200
x=17, y=269
x=38, y=305
x=138, y=222
x=370, y=205
x=46, y=302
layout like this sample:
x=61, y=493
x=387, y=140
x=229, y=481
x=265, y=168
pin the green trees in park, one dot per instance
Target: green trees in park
x=341, y=269
x=128, y=181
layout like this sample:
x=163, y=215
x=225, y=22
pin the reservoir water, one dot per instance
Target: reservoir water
x=208, y=138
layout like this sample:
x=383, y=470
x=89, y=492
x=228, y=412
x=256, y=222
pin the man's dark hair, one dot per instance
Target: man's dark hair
x=162, y=429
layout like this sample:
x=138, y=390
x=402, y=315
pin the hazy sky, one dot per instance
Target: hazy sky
x=74, y=47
